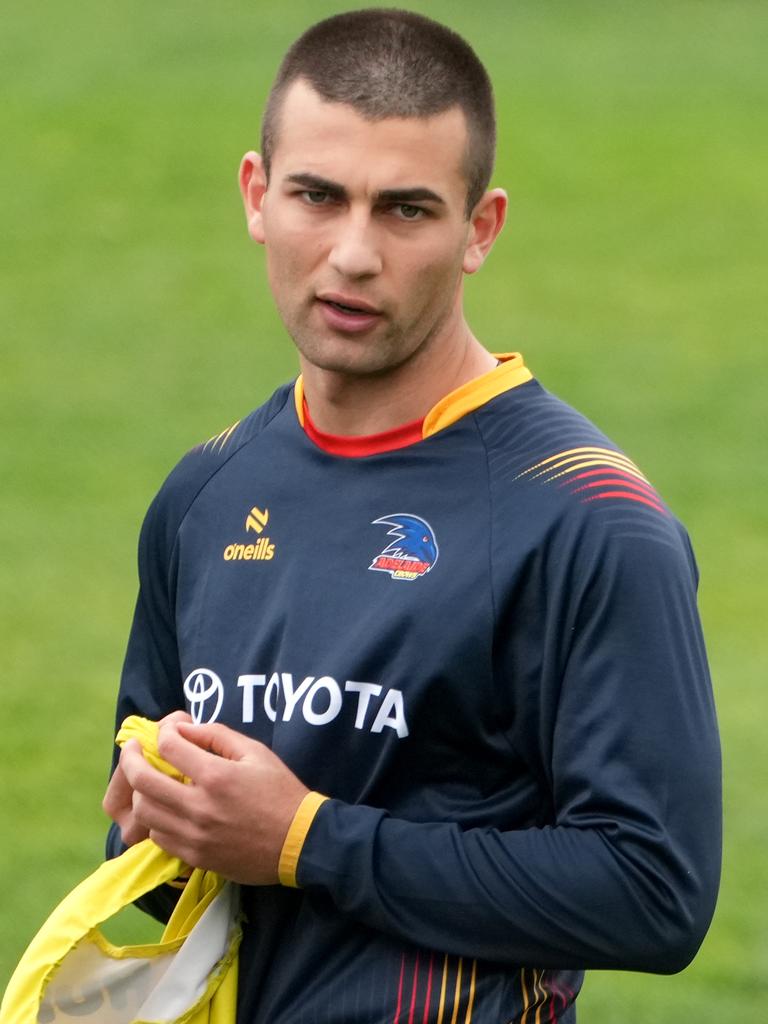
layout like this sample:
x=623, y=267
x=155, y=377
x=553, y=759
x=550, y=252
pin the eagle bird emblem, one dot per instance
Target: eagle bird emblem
x=412, y=551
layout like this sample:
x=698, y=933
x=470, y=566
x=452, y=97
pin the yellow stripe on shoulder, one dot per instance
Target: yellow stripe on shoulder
x=218, y=441
x=580, y=458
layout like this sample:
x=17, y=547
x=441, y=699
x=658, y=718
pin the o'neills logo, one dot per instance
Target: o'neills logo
x=262, y=550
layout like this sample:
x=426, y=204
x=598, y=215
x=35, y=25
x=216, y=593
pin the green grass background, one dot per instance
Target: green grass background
x=136, y=321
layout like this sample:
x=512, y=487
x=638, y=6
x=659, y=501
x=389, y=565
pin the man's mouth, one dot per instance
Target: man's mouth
x=348, y=305
x=347, y=314
x=354, y=310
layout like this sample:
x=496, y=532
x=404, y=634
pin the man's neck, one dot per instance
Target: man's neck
x=350, y=405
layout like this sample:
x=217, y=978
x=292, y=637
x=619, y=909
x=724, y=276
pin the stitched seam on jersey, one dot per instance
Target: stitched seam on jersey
x=491, y=520
x=296, y=837
x=494, y=609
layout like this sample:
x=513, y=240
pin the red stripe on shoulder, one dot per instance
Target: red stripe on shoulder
x=595, y=473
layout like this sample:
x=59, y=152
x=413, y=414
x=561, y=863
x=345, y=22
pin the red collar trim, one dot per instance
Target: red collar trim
x=365, y=444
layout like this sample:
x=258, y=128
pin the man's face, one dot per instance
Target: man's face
x=365, y=232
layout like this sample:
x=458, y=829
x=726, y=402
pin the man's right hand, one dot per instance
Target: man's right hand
x=118, y=803
x=118, y=799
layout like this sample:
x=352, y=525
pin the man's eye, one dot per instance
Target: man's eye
x=314, y=197
x=408, y=212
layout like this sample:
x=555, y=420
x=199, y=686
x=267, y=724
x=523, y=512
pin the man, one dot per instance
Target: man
x=451, y=724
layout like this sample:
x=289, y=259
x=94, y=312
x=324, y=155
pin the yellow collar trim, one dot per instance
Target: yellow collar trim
x=511, y=372
x=298, y=398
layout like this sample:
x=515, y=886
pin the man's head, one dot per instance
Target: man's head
x=365, y=200
x=388, y=63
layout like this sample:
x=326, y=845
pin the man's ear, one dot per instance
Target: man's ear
x=486, y=221
x=253, y=186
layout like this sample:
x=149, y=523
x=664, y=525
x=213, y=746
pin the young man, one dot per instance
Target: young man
x=451, y=724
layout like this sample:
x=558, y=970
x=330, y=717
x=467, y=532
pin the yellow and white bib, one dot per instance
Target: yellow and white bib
x=71, y=972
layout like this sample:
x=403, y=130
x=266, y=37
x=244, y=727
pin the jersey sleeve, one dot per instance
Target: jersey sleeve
x=150, y=681
x=622, y=721
x=151, y=676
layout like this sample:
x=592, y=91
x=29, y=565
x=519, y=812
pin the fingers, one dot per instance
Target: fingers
x=219, y=740
x=148, y=781
x=132, y=831
x=118, y=804
x=118, y=796
x=158, y=803
x=196, y=750
x=176, y=716
x=145, y=802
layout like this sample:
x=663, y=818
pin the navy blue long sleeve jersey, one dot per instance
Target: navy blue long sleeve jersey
x=484, y=648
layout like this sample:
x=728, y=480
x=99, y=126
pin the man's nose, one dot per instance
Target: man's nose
x=355, y=251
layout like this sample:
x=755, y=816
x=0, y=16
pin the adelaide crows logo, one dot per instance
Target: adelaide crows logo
x=412, y=553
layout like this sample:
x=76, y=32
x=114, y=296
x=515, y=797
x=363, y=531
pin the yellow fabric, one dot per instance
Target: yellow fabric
x=147, y=733
x=71, y=936
x=298, y=398
x=470, y=396
x=297, y=834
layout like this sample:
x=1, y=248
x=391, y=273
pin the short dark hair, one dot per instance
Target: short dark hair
x=386, y=62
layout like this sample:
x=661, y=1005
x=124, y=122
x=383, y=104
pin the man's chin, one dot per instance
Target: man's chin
x=349, y=367
x=351, y=357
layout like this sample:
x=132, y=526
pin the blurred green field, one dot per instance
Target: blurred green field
x=135, y=322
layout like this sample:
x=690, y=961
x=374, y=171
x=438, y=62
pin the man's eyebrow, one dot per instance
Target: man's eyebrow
x=315, y=183
x=387, y=195
x=409, y=195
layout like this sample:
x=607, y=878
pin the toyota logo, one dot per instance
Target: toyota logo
x=205, y=693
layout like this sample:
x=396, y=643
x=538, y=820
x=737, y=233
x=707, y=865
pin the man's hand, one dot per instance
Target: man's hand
x=118, y=799
x=231, y=818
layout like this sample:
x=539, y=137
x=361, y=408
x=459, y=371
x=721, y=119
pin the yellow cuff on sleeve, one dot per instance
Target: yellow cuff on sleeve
x=297, y=834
